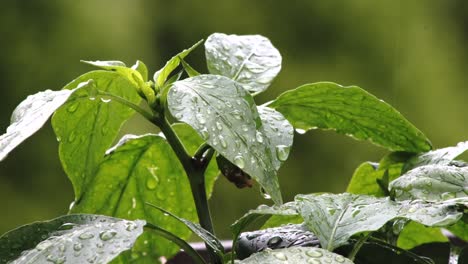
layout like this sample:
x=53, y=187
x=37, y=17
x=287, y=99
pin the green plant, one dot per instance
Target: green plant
x=210, y=123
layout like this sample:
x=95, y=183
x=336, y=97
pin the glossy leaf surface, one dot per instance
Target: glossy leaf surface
x=352, y=111
x=250, y=60
x=295, y=255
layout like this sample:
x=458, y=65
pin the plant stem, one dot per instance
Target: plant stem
x=195, y=170
x=125, y=102
x=358, y=246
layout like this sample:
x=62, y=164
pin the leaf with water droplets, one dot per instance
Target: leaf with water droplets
x=86, y=127
x=79, y=238
x=335, y=218
x=160, y=76
x=434, y=214
x=29, y=116
x=295, y=255
x=352, y=111
x=224, y=114
x=279, y=132
x=250, y=60
x=431, y=183
x=443, y=156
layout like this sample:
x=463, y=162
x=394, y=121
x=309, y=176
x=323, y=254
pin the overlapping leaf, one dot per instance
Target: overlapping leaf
x=295, y=255
x=70, y=239
x=29, y=116
x=352, y=111
x=415, y=234
x=441, y=156
x=224, y=114
x=250, y=60
x=431, y=182
x=87, y=125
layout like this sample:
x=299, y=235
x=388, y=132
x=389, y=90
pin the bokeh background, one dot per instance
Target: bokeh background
x=413, y=54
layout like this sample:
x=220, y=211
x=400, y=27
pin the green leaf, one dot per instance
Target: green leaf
x=460, y=229
x=86, y=126
x=415, y=234
x=250, y=60
x=142, y=69
x=279, y=131
x=160, y=76
x=141, y=169
x=441, y=156
x=364, y=180
x=279, y=220
x=224, y=114
x=29, y=116
x=335, y=218
x=188, y=69
x=352, y=111
x=206, y=236
x=295, y=255
x=431, y=183
x=71, y=239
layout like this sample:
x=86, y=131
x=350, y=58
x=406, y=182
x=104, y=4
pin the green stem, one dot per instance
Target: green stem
x=358, y=246
x=178, y=241
x=195, y=170
x=125, y=102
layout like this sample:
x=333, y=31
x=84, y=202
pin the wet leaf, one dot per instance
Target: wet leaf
x=335, y=218
x=441, y=156
x=415, y=234
x=87, y=125
x=29, y=116
x=137, y=170
x=250, y=60
x=433, y=214
x=140, y=67
x=352, y=111
x=432, y=183
x=70, y=239
x=364, y=180
x=160, y=76
x=295, y=255
x=224, y=114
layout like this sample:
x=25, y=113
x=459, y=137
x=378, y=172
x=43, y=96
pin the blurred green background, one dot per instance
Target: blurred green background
x=412, y=54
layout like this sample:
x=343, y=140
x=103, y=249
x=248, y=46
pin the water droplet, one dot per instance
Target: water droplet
x=86, y=235
x=201, y=119
x=259, y=137
x=72, y=108
x=300, y=131
x=313, y=261
x=161, y=194
x=222, y=141
x=204, y=133
x=66, y=226
x=130, y=226
x=245, y=128
x=274, y=241
x=77, y=246
x=92, y=98
x=280, y=256
x=239, y=161
x=340, y=259
x=151, y=183
x=219, y=125
x=314, y=253
x=252, y=236
x=107, y=235
x=43, y=245
x=105, y=100
x=282, y=152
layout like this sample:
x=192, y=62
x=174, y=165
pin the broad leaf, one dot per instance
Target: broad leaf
x=250, y=60
x=87, y=125
x=441, y=156
x=224, y=114
x=211, y=240
x=70, y=239
x=279, y=131
x=433, y=214
x=352, y=111
x=365, y=180
x=415, y=234
x=141, y=169
x=431, y=182
x=335, y=218
x=29, y=116
x=160, y=76
x=460, y=229
x=295, y=255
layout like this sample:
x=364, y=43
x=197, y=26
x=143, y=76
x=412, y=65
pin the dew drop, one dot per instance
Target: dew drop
x=314, y=253
x=105, y=100
x=86, y=235
x=313, y=261
x=274, y=241
x=77, y=246
x=130, y=226
x=300, y=131
x=72, y=108
x=107, y=235
x=280, y=256
x=151, y=183
x=282, y=152
x=239, y=161
x=201, y=119
x=204, y=133
x=222, y=141
x=340, y=259
x=259, y=137
x=66, y=226
x=219, y=125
